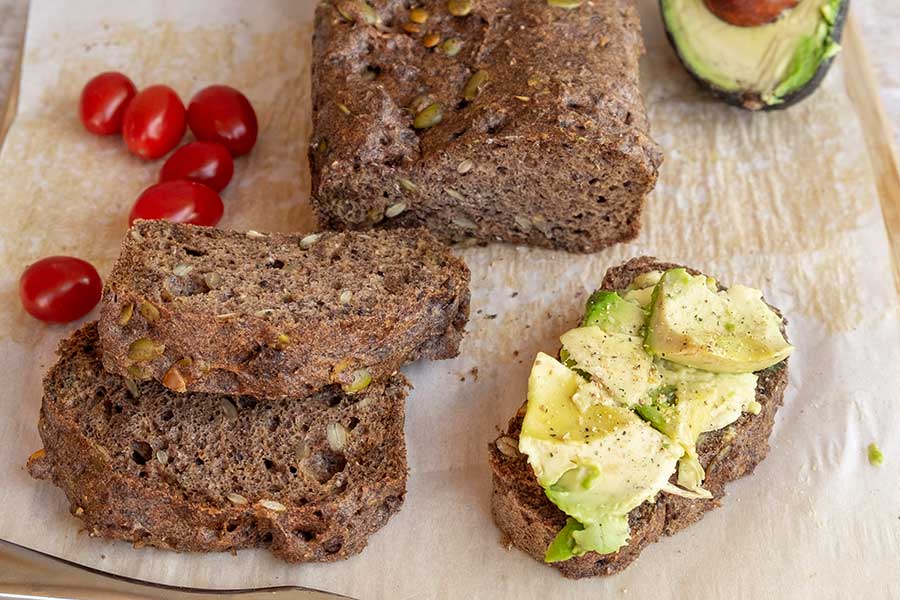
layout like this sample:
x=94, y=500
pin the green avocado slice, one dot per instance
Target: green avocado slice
x=576, y=539
x=563, y=547
x=596, y=463
x=693, y=402
x=730, y=331
x=640, y=291
x=616, y=361
x=613, y=314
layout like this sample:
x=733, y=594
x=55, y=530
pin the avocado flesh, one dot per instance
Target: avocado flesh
x=575, y=538
x=691, y=402
x=641, y=289
x=608, y=350
x=731, y=331
x=616, y=361
x=596, y=465
x=610, y=312
x=764, y=65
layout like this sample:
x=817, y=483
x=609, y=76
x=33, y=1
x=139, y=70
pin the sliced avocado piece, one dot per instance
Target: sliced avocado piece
x=640, y=296
x=579, y=493
x=645, y=280
x=613, y=314
x=596, y=465
x=617, y=361
x=756, y=63
x=590, y=393
x=563, y=547
x=692, y=402
x=605, y=536
x=575, y=539
x=554, y=423
x=731, y=331
x=659, y=411
x=640, y=290
x=720, y=397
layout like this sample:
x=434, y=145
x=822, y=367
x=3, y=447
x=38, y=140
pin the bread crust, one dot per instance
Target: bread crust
x=279, y=320
x=88, y=418
x=531, y=521
x=554, y=150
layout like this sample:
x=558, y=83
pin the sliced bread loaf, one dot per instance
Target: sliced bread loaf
x=500, y=120
x=278, y=315
x=530, y=521
x=311, y=481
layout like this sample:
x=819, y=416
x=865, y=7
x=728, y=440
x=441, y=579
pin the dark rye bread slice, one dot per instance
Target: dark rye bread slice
x=530, y=521
x=554, y=151
x=203, y=473
x=275, y=315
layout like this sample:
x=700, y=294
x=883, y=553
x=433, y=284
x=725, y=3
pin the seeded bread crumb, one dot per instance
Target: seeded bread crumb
x=278, y=315
x=553, y=150
x=310, y=481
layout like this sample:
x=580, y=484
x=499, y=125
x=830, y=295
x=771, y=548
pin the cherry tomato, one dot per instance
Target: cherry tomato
x=154, y=122
x=103, y=102
x=179, y=202
x=222, y=114
x=204, y=162
x=59, y=289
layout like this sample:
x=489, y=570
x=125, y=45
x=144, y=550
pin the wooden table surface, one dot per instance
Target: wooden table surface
x=879, y=21
x=12, y=27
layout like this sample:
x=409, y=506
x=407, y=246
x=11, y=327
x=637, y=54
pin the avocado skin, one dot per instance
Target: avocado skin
x=750, y=101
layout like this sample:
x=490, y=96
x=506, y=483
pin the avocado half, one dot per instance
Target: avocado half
x=763, y=67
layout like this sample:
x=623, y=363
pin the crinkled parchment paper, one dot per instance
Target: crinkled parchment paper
x=784, y=201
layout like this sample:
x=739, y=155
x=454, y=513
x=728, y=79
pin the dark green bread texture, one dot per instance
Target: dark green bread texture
x=271, y=316
x=530, y=521
x=202, y=472
x=751, y=100
x=554, y=150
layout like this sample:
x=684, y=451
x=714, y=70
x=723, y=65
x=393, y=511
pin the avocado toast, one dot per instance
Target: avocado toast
x=675, y=473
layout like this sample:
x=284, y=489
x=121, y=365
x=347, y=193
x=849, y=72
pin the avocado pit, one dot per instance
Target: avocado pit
x=749, y=13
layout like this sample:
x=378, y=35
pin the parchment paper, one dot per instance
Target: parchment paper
x=783, y=201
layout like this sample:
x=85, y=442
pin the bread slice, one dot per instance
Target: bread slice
x=531, y=521
x=553, y=150
x=278, y=315
x=310, y=481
